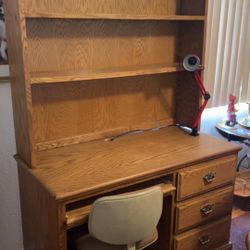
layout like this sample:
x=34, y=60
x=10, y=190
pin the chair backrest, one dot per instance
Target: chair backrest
x=127, y=218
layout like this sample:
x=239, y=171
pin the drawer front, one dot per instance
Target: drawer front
x=204, y=208
x=210, y=237
x=206, y=176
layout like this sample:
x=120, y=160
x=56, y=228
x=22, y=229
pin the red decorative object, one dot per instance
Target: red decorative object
x=231, y=111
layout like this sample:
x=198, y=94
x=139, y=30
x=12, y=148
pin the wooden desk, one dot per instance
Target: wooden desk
x=69, y=178
x=84, y=70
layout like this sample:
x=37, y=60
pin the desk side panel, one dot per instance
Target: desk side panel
x=20, y=88
x=39, y=214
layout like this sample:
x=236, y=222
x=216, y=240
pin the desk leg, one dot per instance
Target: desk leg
x=62, y=228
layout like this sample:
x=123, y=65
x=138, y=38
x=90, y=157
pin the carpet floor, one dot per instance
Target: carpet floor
x=239, y=229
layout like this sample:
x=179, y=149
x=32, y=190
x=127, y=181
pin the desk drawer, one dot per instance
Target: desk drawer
x=204, y=208
x=206, y=176
x=206, y=237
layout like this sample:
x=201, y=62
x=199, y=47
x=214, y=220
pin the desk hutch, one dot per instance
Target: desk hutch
x=83, y=71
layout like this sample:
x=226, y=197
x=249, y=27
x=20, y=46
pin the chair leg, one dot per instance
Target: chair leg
x=131, y=247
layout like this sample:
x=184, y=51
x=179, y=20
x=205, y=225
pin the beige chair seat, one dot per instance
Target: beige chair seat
x=89, y=243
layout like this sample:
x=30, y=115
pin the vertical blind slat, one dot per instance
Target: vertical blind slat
x=228, y=50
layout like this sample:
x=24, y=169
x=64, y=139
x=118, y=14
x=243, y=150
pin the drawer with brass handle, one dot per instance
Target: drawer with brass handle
x=204, y=208
x=209, y=178
x=204, y=240
x=207, y=209
x=203, y=177
x=204, y=237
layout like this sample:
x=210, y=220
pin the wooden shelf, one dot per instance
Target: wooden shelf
x=113, y=16
x=54, y=77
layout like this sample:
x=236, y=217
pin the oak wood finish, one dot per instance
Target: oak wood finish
x=55, y=77
x=207, y=234
x=116, y=17
x=192, y=180
x=78, y=8
x=76, y=112
x=106, y=134
x=90, y=50
x=204, y=208
x=99, y=44
x=84, y=72
x=131, y=158
x=39, y=213
x=21, y=92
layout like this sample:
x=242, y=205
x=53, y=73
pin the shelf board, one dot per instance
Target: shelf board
x=72, y=76
x=113, y=16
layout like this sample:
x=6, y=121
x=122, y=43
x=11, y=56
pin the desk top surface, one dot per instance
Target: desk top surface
x=91, y=168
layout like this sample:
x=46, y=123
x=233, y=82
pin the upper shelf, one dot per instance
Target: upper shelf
x=113, y=16
x=71, y=76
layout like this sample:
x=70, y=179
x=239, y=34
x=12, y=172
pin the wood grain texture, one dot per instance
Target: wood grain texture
x=39, y=214
x=98, y=166
x=190, y=239
x=106, y=134
x=60, y=45
x=106, y=7
x=188, y=213
x=191, y=180
x=89, y=69
x=96, y=109
x=115, y=16
x=118, y=72
x=21, y=92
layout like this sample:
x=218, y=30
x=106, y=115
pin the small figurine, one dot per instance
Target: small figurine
x=231, y=111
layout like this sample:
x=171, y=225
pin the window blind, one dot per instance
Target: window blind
x=227, y=59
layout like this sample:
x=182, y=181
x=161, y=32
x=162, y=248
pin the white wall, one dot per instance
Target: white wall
x=10, y=219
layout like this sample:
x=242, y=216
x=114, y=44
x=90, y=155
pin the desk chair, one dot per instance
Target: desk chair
x=124, y=222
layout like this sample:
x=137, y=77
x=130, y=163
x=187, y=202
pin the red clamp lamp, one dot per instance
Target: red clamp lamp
x=191, y=63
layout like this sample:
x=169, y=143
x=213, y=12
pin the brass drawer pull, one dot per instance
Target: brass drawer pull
x=204, y=240
x=207, y=209
x=209, y=178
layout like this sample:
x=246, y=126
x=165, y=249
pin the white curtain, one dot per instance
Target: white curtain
x=227, y=59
